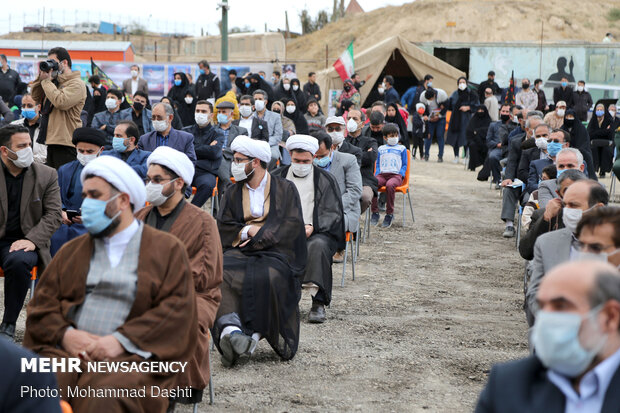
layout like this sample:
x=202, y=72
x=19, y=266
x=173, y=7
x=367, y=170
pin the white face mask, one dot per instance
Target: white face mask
x=337, y=137
x=301, y=170
x=561, y=112
x=160, y=125
x=381, y=90
x=110, y=103
x=579, y=88
x=201, y=118
x=189, y=100
x=392, y=141
x=295, y=87
x=259, y=105
x=541, y=143
x=85, y=159
x=25, y=157
x=571, y=217
x=245, y=110
x=238, y=171
x=462, y=86
x=134, y=74
x=351, y=125
x=154, y=193
x=612, y=113
x=286, y=86
x=290, y=109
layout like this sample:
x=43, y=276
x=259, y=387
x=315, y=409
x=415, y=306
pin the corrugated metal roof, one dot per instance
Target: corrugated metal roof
x=69, y=45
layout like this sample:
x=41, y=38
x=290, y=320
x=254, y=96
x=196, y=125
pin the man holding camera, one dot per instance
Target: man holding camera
x=61, y=93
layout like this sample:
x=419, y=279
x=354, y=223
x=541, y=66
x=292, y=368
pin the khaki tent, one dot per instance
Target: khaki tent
x=374, y=60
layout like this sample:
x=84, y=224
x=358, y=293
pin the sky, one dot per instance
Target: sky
x=189, y=16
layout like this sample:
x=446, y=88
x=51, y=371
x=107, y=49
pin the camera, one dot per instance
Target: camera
x=48, y=65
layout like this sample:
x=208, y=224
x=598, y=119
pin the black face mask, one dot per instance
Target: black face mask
x=480, y=114
x=505, y=118
x=569, y=122
x=347, y=88
x=376, y=134
x=138, y=106
x=525, y=85
x=276, y=111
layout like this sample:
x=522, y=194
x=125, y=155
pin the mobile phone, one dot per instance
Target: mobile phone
x=72, y=213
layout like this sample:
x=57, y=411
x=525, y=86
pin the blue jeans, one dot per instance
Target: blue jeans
x=436, y=130
x=204, y=183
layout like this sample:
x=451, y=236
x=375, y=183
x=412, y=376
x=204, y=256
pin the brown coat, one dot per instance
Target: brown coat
x=40, y=209
x=68, y=100
x=198, y=232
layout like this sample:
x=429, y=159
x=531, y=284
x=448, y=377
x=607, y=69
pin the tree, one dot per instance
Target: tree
x=309, y=25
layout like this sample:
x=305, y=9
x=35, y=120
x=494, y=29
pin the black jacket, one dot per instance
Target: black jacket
x=312, y=89
x=207, y=86
x=514, y=155
x=527, y=156
x=487, y=84
x=369, y=158
x=582, y=101
x=9, y=83
x=565, y=94
x=260, y=129
x=208, y=157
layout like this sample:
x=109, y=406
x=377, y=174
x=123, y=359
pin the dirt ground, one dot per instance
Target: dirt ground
x=433, y=306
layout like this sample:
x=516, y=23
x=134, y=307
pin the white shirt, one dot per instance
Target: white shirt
x=257, y=203
x=247, y=124
x=305, y=187
x=116, y=244
x=592, y=387
x=134, y=86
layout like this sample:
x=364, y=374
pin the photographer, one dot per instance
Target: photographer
x=61, y=93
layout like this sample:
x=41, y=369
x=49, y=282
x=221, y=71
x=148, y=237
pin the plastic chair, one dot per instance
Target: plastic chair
x=65, y=407
x=518, y=237
x=33, y=279
x=348, y=242
x=215, y=200
x=404, y=189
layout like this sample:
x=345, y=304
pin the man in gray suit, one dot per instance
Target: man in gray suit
x=556, y=247
x=30, y=212
x=135, y=83
x=577, y=341
x=344, y=168
x=568, y=158
x=274, y=124
x=230, y=132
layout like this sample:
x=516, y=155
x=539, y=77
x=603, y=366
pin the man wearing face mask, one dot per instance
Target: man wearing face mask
x=30, y=215
x=563, y=92
x=391, y=95
x=257, y=128
x=138, y=113
x=321, y=206
x=497, y=140
x=555, y=119
x=61, y=94
x=576, y=338
x=135, y=83
x=125, y=147
x=89, y=143
x=124, y=291
x=263, y=236
x=335, y=127
x=598, y=233
x=230, y=133
x=426, y=84
x=557, y=140
x=208, y=142
x=369, y=156
x=526, y=96
x=491, y=84
x=208, y=84
x=582, y=101
x=556, y=247
x=31, y=120
x=274, y=123
x=107, y=120
x=168, y=173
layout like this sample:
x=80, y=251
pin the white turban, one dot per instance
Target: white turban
x=174, y=160
x=419, y=105
x=335, y=119
x=252, y=148
x=304, y=142
x=118, y=174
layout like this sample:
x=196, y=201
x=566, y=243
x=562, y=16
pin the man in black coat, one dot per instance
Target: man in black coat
x=489, y=83
x=563, y=92
x=577, y=342
x=369, y=149
x=9, y=81
x=208, y=84
x=311, y=88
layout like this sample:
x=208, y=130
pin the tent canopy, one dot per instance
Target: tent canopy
x=374, y=60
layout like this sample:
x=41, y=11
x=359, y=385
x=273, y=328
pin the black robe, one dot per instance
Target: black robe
x=301, y=124
x=602, y=140
x=580, y=139
x=476, y=134
x=328, y=234
x=264, y=275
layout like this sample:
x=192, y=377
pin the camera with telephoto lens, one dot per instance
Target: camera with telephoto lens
x=48, y=65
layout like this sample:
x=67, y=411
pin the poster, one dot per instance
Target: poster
x=333, y=96
x=26, y=71
x=84, y=69
x=155, y=76
x=172, y=69
x=289, y=71
x=225, y=83
x=118, y=72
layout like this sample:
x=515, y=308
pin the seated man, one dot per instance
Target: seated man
x=390, y=172
x=125, y=147
x=208, y=142
x=89, y=144
x=29, y=216
x=138, y=113
x=335, y=127
x=165, y=135
x=264, y=240
x=558, y=140
x=556, y=247
x=598, y=233
x=230, y=132
x=369, y=156
x=321, y=205
x=257, y=128
x=497, y=140
x=108, y=119
x=122, y=293
x=168, y=172
x=577, y=340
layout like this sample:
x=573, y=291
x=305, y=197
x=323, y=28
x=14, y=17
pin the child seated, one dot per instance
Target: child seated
x=390, y=171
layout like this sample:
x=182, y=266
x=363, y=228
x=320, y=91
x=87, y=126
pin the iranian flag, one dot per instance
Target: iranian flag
x=344, y=65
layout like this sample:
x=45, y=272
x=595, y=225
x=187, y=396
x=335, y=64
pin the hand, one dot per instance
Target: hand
x=213, y=143
x=22, y=244
x=76, y=341
x=464, y=108
x=244, y=243
x=65, y=218
x=253, y=231
x=77, y=219
x=499, y=145
x=309, y=230
x=45, y=75
x=369, y=150
x=553, y=207
x=96, y=93
x=104, y=348
x=102, y=127
x=338, y=105
x=507, y=182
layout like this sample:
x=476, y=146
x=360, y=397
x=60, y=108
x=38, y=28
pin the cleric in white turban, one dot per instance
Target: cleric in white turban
x=174, y=160
x=252, y=148
x=302, y=142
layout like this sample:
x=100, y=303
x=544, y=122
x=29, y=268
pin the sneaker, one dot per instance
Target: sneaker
x=374, y=219
x=426, y=158
x=387, y=221
x=498, y=186
x=439, y=160
x=509, y=232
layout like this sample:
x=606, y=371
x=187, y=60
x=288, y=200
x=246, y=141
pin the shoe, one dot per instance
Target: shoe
x=602, y=175
x=498, y=186
x=387, y=221
x=509, y=232
x=439, y=160
x=7, y=330
x=455, y=160
x=339, y=257
x=317, y=314
x=426, y=158
x=236, y=348
x=374, y=219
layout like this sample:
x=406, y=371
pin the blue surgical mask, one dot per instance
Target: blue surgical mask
x=322, y=162
x=560, y=172
x=177, y=82
x=555, y=337
x=94, y=217
x=119, y=144
x=29, y=113
x=429, y=84
x=247, y=85
x=201, y=71
x=553, y=148
x=222, y=119
x=600, y=112
x=262, y=77
x=564, y=84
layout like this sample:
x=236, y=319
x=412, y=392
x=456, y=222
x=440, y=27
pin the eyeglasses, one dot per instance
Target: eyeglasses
x=242, y=160
x=593, y=248
x=334, y=128
x=554, y=140
x=157, y=180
